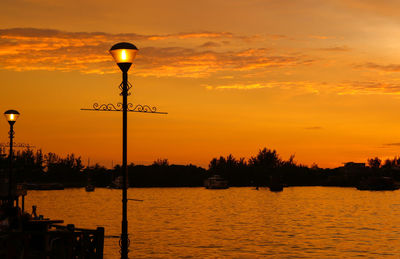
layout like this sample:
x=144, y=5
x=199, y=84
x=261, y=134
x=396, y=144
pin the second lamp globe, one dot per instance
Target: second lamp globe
x=11, y=116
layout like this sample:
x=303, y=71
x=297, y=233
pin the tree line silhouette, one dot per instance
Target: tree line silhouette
x=260, y=170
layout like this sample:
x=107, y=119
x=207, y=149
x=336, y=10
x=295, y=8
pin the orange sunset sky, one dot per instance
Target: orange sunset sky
x=318, y=79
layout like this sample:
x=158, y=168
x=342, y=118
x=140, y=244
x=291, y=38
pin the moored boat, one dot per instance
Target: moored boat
x=276, y=187
x=43, y=186
x=378, y=183
x=216, y=182
x=275, y=184
x=89, y=188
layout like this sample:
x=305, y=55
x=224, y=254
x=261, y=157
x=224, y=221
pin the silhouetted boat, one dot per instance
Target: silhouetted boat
x=117, y=183
x=89, y=188
x=43, y=186
x=275, y=184
x=276, y=187
x=378, y=183
x=216, y=182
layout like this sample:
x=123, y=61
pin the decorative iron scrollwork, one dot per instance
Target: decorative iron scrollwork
x=16, y=145
x=130, y=108
x=107, y=107
x=141, y=108
x=121, y=87
x=119, y=107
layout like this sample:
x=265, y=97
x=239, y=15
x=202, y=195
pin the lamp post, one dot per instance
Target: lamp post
x=124, y=53
x=11, y=116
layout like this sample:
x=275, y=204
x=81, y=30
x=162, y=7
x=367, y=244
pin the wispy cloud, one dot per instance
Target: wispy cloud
x=314, y=87
x=304, y=86
x=313, y=128
x=337, y=48
x=386, y=68
x=40, y=49
x=210, y=44
x=396, y=144
x=321, y=37
x=240, y=86
x=369, y=87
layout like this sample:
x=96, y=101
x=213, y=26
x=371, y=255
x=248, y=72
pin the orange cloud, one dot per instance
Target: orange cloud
x=39, y=49
x=313, y=128
x=369, y=87
x=321, y=37
x=192, y=35
x=304, y=86
x=341, y=48
x=386, y=68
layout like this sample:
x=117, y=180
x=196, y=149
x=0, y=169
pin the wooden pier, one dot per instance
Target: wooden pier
x=23, y=235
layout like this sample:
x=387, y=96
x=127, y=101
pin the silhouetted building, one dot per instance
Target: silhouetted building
x=353, y=165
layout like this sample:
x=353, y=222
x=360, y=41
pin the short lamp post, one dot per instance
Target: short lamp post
x=124, y=53
x=11, y=116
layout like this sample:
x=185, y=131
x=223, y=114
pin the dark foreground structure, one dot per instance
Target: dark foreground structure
x=25, y=235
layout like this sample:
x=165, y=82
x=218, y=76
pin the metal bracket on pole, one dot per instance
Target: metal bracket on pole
x=118, y=108
x=16, y=145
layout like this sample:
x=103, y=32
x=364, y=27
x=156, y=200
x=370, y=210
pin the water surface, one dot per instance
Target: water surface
x=300, y=222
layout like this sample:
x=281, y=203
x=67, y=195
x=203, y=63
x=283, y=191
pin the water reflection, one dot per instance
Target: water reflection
x=299, y=222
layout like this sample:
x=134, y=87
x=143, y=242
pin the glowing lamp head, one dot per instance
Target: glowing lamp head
x=11, y=116
x=124, y=53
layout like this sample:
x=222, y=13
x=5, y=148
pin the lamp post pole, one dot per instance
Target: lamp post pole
x=124, y=228
x=10, y=158
x=124, y=53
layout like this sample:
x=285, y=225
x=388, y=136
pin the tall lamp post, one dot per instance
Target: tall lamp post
x=124, y=53
x=11, y=116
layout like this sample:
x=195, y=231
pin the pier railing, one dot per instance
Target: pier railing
x=86, y=243
x=57, y=242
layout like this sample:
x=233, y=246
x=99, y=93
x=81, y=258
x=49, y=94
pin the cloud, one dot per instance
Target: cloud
x=24, y=49
x=195, y=35
x=35, y=33
x=392, y=144
x=321, y=37
x=313, y=128
x=277, y=36
x=342, y=48
x=303, y=86
x=386, y=68
x=240, y=86
x=369, y=87
x=210, y=44
x=315, y=87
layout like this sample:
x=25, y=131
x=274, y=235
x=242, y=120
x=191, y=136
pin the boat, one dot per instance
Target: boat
x=276, y=187
x=117, y=183
x=89, y=188
x=275, y=184
x=43, y=186
x=378, y=183
x=216, y=182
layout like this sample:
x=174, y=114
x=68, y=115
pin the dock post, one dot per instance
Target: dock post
x=99, y=242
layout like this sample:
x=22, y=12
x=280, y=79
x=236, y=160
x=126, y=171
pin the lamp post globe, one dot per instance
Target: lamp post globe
x=124, y=53
x=11, y=117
